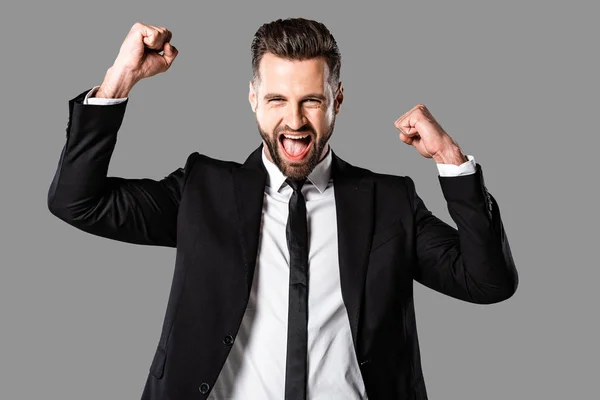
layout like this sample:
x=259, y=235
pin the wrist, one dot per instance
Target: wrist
x=117, y=84
x=450, y=155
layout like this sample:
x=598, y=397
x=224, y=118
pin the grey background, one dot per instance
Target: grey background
x=515, y=83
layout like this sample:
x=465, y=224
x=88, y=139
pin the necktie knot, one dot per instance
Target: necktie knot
x=295, y=184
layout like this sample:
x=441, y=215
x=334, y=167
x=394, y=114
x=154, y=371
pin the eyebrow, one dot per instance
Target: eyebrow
x=319, y=96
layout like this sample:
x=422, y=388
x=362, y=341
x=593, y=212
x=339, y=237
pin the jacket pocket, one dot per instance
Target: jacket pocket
x=385, y=234
x=158, y=363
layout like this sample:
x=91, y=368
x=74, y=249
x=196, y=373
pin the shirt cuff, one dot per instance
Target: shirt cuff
x=466, y=168
x=100, y=101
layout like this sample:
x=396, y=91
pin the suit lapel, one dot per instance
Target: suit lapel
x=249, y=182
x=354, y=211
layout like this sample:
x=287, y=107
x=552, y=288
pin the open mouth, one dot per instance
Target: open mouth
x=295, y=146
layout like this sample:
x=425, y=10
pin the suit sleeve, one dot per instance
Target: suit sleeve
x=139, y=211
x=474, y=262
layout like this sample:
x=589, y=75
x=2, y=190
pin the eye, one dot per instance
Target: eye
x=275, y=99
x=313, y=101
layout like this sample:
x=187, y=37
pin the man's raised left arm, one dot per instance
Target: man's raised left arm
x=474, y=262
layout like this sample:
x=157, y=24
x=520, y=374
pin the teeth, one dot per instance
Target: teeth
x=296, y=137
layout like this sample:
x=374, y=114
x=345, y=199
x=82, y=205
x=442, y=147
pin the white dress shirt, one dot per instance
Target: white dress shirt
x=255, y=367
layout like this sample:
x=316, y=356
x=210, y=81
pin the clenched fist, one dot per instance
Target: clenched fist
x=418, y=128
x=139, y=57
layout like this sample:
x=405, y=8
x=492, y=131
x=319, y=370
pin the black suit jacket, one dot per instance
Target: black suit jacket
x=210, y=210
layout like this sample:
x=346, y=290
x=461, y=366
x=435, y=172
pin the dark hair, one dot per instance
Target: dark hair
x=296, y=39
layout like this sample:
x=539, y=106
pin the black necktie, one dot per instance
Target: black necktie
x=297, y=241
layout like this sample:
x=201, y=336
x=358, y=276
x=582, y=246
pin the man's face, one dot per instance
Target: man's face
x=295, y=111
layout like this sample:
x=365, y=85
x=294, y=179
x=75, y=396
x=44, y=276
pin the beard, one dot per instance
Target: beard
x=296, y=170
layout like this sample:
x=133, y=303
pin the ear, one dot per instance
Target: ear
x=339, y=98
x=252, y=98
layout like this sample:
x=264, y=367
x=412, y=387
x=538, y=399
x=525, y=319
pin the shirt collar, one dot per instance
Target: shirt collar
x=319, y=176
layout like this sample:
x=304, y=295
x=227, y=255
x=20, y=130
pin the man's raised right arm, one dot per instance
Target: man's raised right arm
x=142, y=211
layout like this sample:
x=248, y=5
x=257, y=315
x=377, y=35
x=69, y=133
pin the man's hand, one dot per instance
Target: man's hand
x=139, y=58
x=418, y=128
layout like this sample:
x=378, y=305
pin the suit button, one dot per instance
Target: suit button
x=204, y=388
x=228, y=340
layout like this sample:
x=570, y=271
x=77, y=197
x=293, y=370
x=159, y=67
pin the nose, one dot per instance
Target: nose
x=295, y=118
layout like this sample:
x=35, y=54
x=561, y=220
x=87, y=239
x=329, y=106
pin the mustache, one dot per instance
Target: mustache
x=303, y=129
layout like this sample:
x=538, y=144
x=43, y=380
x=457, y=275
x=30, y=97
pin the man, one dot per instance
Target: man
x=293, y=226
